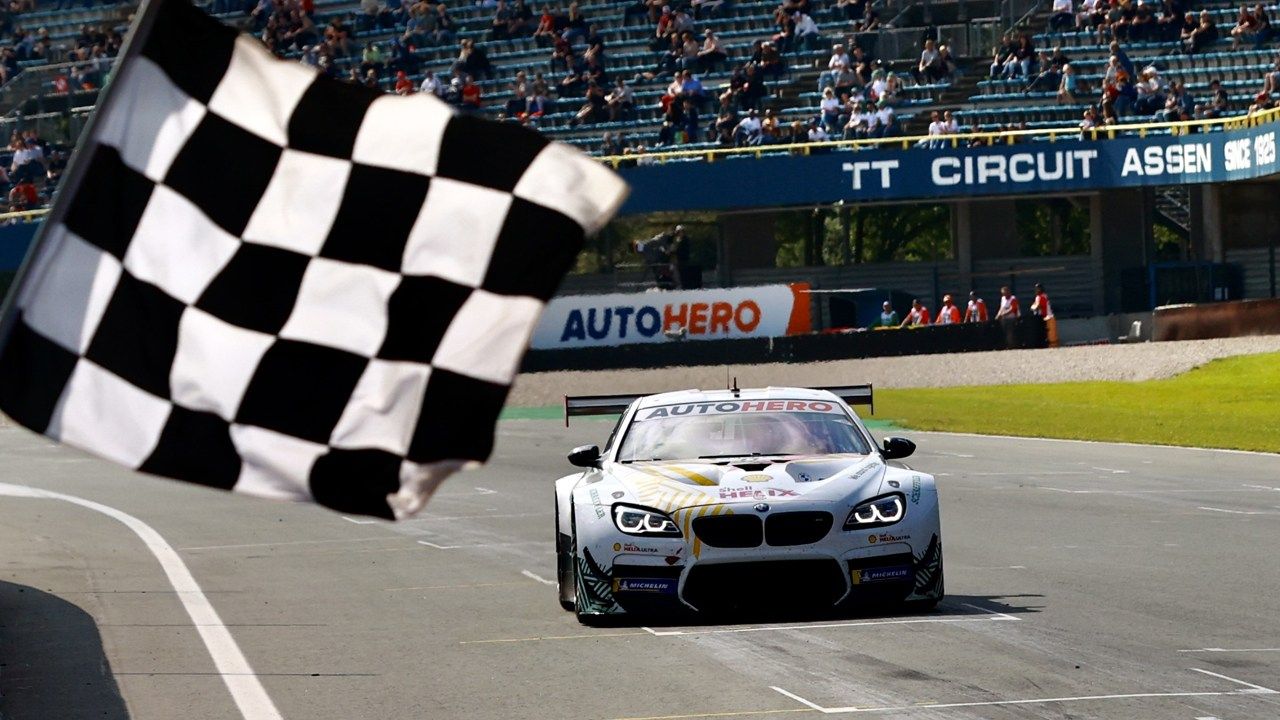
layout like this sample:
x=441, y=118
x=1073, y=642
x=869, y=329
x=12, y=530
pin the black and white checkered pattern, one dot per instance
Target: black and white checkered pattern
x=288, y=286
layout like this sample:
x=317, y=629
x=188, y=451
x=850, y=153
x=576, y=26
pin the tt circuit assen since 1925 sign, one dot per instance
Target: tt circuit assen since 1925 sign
x=575, y=321
x=893, y=173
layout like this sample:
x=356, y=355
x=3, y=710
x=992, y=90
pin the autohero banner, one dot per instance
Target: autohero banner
x=575, y=321
x=1034, y=167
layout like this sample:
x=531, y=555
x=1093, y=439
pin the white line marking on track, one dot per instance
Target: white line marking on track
x=798, y=699
x=1096, y=442
x=1113, y=471
x=289, y=542
x=1263, y=487
x=358, y=521
x=1253, y=688
x=241, y=681
x=533, y=576
x=1230, y=650
x=428, y=543
x=486, y=491
x=1236, y=512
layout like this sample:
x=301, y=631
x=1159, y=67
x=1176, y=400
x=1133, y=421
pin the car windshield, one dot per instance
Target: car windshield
x=740, y=429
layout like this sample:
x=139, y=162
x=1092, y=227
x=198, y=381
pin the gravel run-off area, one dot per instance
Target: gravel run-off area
x=1142, y=361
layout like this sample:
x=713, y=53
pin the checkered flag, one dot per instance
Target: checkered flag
x=265, y=280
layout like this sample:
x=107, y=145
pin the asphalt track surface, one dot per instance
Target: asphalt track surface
x=1085, y=581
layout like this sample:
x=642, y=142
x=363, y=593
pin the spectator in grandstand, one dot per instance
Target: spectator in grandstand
x=870, y=21
x=1270, y=81
x=725, y=125
x=839, y=59
x=749, y=130
x=1050, y=76
x=1204, y=35
x=976, y=310
x=948, y=314
x=949, y=124
x=28, y=163
x=807, y=34
x=593, y=108
x=856, y=127
x=404, y=86
x=610, y=144
x=431, y=84
x=1069, y=85
x=703, y=9
x=947, y=63
x=817, y=133
x=935, y=132
x=1009, y=309
x=770, y=127
x=888, y=317
x=23, y=196
x=712, y=54
x=886, y=119
x=521, y=23
x=373, y=58
x=930, y=68
x=1087, y=16
x=576, y=26
x=1261, y=103
x=853, y=10
x=1265, y=32
x=544, y=34
x=621, y=101
x=845, y=80
x=470, y=94
x=917, y=317
x=1149, y=92
x=1061, y=16
x=473, y=60
x=752, y=89
x=829, y=107
x=1245, y=29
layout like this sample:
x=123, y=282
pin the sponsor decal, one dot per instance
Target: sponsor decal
x=756, y=477
x=595, y=503
x=804, y=477
x=747, y=493
x=711, y=314
x=661, y=586
x=881, y=574
x=869, y=468
x=887, y=537
x=631, y=547
x=618, y=494
x=871, y=539
x=894, y=484
x=739, y=406
x=672, y=559
x=915, y=489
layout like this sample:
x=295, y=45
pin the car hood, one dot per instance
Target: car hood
x=672, y=486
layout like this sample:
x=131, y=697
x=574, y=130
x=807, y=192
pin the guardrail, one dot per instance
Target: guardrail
x=23, y=216
x=959, y=140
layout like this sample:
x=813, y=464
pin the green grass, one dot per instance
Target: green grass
x=1230, y=403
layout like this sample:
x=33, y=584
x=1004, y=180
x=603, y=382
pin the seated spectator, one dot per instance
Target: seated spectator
x=870, y=21
x=853, y=10
x=1270, y=81
x=610, y=145
x=23, y=196
x=1264, y=32
x=817, y=133
x=712, y=54
x=689, y=49
x=621, y=101
x=931, y=67
x=1245, y=29
x=1149, y=92
x=575, y=25
x=1261, y=103
x=521, y=22
x=725, y=126
x=706, y=8
x=806, y=30
x=770, y=127
x=1068, y=86
x=753, y=89
x=887, y=120
x=471, y=93
x=856, y=127
x=594, y=109
x=431, y=85
x=1061, y=16
x=829, y=107
x=637, y=8
x=404, y=86
x=935, y=132
x=28, y=164
x=1204, y=35
x=545, y=35
x=445, y=28
x=749, y=130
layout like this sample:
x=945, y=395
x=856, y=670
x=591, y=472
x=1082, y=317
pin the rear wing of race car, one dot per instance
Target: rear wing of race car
x=575, y=405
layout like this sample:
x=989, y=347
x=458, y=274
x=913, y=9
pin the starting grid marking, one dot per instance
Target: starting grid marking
x=1245, y=689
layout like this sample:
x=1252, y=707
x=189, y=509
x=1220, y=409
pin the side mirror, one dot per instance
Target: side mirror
x=587, y=456
x=896, y=447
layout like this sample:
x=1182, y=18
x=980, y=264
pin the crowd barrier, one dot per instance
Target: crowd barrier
x=1027, y=332
x=1217, y=320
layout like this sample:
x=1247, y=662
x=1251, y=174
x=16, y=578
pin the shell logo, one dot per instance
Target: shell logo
x=757, y=477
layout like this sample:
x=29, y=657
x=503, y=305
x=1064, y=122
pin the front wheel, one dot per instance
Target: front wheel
x=931, y=603
x=565, y=581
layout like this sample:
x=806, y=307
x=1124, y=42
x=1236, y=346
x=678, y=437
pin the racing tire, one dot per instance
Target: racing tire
x=566, y=582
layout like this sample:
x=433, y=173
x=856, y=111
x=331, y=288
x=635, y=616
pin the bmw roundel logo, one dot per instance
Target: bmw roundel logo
x=762, y=507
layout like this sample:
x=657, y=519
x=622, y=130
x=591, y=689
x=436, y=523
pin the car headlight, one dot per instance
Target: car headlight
x=639, y=521
x=877, y=512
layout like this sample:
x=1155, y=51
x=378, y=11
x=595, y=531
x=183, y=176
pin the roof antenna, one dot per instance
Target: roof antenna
x=735, y=386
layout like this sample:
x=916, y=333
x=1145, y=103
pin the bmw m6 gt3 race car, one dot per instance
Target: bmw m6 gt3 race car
x=733, y=500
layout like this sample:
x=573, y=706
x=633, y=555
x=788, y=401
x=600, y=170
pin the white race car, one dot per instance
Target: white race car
x=743, y=500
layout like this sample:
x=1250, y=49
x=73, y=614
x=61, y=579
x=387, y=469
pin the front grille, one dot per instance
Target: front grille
x=787, y=585
x=729, y=531
x=797, y=528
